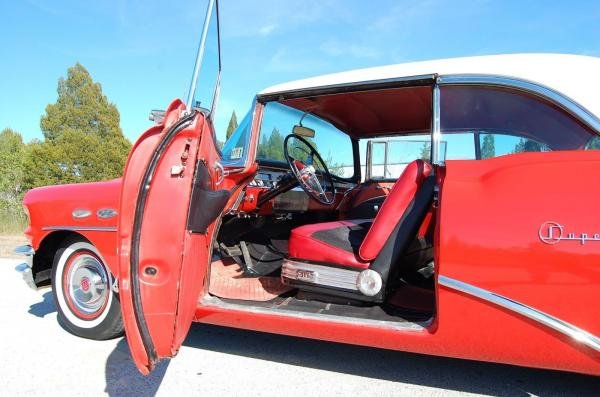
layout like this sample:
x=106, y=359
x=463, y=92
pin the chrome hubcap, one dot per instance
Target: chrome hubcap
x=87, y=284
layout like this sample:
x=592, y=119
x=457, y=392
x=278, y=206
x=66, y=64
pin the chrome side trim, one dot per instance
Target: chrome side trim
x=578, y=334
x=319, y=275
x=106, y=213
x=81, y=213
x=547, y=93
x=213, y=301
x=82, y=228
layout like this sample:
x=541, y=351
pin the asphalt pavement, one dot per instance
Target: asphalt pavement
x=38, y=357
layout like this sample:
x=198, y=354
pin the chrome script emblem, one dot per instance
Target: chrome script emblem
x=306, y=275
x=553, y=232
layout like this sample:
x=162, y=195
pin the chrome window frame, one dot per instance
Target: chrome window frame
x=562, y=101
x=213, y=6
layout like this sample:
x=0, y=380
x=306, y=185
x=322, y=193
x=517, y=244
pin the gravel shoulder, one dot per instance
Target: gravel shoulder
x=8, y=244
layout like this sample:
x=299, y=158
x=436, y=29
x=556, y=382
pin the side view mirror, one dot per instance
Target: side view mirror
x=157, y=116
x=303, y=131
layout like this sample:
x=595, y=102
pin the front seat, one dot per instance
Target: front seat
x=354, y=258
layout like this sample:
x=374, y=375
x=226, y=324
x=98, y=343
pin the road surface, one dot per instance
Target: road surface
x=38, y=357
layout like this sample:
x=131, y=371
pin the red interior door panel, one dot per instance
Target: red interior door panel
x=161, y=263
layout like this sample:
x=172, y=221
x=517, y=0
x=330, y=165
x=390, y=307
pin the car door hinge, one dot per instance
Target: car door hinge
x=436, y=196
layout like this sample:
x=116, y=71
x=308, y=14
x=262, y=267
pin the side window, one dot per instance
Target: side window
x=458, y=146
x=493, y=145
x=386, y=158
x=479, y=122
x=235, y=150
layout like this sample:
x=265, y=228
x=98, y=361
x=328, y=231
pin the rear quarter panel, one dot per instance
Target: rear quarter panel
x=489, y=236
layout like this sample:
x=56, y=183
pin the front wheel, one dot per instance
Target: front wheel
x=86, y=304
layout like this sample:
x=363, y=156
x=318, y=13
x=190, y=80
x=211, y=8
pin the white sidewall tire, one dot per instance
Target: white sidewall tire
x=60, y=294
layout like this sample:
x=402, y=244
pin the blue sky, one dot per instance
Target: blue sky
x=142, y=52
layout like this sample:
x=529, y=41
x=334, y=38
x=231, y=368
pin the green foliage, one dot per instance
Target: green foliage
x=83, y=140
x=233, y=124
x=488, y=147
x=80, y=106
x=594, y=143
x=527, y=145
x=12, y=152
x=75, y=156
x=271, y=147
x=425, y=151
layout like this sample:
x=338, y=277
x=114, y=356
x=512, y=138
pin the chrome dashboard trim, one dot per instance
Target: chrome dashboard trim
x=563, y=327
x=82, y=228
x=547, y=93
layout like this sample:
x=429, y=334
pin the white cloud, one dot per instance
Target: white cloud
x=270, y=15
x=266, y=30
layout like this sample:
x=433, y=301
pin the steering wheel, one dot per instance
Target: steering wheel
x=302, y=164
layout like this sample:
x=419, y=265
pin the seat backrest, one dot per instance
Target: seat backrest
x=394, y=207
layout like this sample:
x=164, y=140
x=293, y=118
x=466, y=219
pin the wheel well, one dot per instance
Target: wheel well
x=44, y=255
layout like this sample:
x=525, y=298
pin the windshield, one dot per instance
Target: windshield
x=235, y=150
x=334, y=146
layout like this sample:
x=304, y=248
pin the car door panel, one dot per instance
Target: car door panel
x=159, y=285
x=494, y=223
x=197, y=250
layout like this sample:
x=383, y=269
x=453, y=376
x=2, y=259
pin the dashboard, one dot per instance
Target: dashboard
x=294, y=200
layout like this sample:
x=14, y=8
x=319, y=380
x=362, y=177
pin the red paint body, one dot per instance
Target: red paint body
x=52, y=206
x=487, y=234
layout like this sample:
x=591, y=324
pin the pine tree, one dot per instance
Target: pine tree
x=488, y=147
x=82, y=137
x=233, y=124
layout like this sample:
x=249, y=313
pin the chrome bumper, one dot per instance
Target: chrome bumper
x=25, y=267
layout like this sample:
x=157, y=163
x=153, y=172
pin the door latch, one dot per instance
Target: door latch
x=177, y=170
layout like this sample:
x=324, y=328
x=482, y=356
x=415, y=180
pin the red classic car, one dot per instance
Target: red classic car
x=441, y=207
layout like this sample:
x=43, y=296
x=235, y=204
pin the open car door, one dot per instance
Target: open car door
x=169, y=202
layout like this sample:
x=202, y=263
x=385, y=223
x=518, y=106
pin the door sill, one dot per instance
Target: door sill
x=291, y=307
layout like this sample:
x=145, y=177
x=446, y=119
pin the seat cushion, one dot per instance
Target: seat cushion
x=330, y=242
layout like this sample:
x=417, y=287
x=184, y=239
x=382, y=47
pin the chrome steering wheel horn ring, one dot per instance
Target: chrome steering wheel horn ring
x=308, y=172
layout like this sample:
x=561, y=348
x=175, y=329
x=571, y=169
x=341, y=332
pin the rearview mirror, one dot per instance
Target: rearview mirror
x=157, y=116
x=303, y=131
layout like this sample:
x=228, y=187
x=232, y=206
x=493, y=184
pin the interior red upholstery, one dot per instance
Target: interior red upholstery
x=304, y=245
x=394, y=206
x=355, y=243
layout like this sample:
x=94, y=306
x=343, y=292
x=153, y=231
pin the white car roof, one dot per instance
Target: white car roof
x=572, y=75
